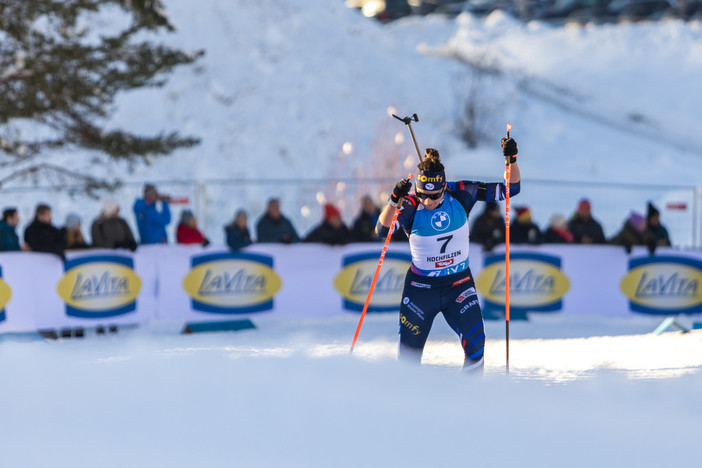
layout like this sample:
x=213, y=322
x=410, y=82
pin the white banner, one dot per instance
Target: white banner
x=24, y=293
x=593, y=280
x=199, y=284
x=196, y=284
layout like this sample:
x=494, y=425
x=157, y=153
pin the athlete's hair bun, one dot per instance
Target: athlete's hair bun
x=431, y=153
x=431, y=161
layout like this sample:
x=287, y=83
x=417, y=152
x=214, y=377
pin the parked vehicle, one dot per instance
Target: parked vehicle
x=577, y=11
x=554, y=11
x=447, y=7
x=485, y=7
x=640, y=10
x=382, y=10
x=689, y=10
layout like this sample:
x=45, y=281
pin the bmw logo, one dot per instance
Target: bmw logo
x=440, y=221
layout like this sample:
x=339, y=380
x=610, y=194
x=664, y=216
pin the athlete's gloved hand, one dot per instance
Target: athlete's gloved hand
x=509, y=149
x=401, y=189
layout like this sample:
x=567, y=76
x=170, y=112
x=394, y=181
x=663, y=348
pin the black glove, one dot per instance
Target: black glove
x=401, y=189
x=509, y=149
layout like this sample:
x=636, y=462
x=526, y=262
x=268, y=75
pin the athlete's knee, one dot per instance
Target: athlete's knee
x=473, y=342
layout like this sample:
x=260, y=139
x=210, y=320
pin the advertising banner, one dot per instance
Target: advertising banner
x=354, y=280
x=30, y=299
x=97, y=287
x=104, y=287
x=536, y=282
x=231, y=283
x=663, y=285
x=5, y=294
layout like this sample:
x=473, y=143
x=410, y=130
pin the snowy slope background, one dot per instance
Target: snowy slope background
x=292, y=99
x=283, y=86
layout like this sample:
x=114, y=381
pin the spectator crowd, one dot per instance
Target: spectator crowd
x=581, y=228
x=152, y=212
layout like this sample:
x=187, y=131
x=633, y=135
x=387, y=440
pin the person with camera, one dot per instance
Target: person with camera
x=152, y=221
x=435, y=218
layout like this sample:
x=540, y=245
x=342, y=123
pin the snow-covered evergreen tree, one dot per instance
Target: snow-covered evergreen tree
x=59, y=75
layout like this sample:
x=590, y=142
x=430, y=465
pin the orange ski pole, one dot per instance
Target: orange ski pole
x=377, y=271
x=508, y=174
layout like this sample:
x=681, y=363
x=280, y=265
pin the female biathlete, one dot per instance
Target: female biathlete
x=435, y=219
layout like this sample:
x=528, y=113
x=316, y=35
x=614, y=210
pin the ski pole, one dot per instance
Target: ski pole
x=508, y=175
x=408, y=121
x=377, y=269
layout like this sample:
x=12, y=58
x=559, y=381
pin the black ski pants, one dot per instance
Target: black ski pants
x=455, y=296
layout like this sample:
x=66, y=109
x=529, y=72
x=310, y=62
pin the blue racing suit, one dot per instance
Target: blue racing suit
x=439, y=279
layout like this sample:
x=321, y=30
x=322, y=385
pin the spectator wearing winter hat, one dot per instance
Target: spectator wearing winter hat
x=331, y=230
x=523, y=230
x=557, y=231
x=187, y=231
x=274, y=227
x=633, y=233
x=9, y=240
x=71, y=233
x=237, y=232
x=110, y=231
x=41, y=235
x=489, y=227
x=363, y=227
x=655, y=230
x=151, y=221
x=585, y=228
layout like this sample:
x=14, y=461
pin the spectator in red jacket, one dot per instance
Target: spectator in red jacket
x=331, y=230
x=557, y=231
x=187, y=232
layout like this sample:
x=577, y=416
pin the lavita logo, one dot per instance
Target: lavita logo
x=232, y=283
x=356, y=276
x=536, y=282
x=5, y=294
x=99, y=286
x=239, y=281
x=663, y=285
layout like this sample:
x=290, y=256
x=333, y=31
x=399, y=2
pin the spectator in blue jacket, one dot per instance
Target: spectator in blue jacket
x=237, y=232
x=9, y=240
x=274, y=227
x=150, y=221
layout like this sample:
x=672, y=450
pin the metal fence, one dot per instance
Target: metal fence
x=214, y=202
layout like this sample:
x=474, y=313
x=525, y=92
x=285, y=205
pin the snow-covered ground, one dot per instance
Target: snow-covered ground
x=592, y=392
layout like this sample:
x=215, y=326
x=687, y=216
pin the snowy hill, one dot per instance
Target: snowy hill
x=284, y=85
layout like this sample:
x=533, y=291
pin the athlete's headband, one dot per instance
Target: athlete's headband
x=430, y=181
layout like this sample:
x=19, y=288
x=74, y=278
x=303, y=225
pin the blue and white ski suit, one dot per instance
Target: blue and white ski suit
x=439, y=279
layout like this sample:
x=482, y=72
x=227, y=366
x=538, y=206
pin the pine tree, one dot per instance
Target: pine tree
x=58, y=81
